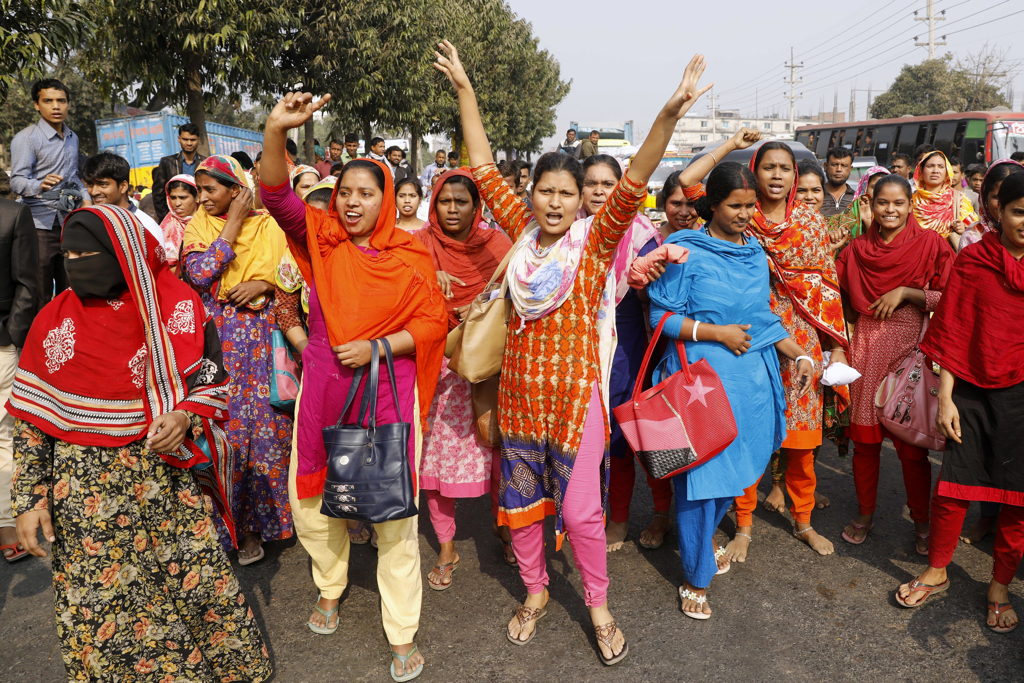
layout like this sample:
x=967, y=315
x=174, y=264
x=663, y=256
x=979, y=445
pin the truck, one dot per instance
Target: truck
x=619, y=134
x=145, y=138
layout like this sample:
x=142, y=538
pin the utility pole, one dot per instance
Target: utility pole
x=713, y=136
x=931, y=19
x=853, y=102
x=792, y=97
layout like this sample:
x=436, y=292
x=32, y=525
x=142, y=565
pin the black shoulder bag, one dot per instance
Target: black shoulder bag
x=368, y=474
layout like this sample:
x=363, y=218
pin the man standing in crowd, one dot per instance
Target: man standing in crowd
x=351, y=148
x=958, y=181
x=44, y=172
x=570, y=145
x=902, y=165
x=453, y=160
x=920, y=152
x=975, y=177
x=19, y=263
x=106, y=177
x=394, y=155
x=334, y=151
x=838, y=193
x=186, y=161
x=589, y=146
x=433, y=169
x=375, y=149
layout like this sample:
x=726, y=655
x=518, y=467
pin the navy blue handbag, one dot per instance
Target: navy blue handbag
x=369, y=478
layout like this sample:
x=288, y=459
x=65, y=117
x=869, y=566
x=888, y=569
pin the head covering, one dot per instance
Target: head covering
x=328, y=182
x=473, y=261
x=934, y=210
x=988, y=222
x=98, y=275
x=975, y=332
x=158, y=359
x=371, y=293
x=300, y=169
x=869, y=268
x=800, y=256
x=862, y=184
x=260, y=243
x=318, y=151
x=173, y=225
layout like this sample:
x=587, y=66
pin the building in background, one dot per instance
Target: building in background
x=693, y=133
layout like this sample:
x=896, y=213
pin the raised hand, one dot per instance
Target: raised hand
x=293, y=110
x=688, y=91
x=745, y=137
x=450, y=65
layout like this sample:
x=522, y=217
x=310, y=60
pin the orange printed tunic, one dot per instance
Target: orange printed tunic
x=552, y=364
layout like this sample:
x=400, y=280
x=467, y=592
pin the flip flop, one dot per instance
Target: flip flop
x=918, y=587
x=19, y=552
x=355, y=536
x=506, y=549
x=255, y=558
x=998, y=608
x=409, y=675
x=859, y=527
x=921, y=537
x=525, y=615
x=324, y=630
x=655, y=546
x=719, y=551
x=605, y=633
x=687, y=594
x=451, y=574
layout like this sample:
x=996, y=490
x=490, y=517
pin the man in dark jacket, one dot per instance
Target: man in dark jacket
x=186, y=161
x=19, y=263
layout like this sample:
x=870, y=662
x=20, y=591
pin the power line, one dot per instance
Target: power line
x=992, y=21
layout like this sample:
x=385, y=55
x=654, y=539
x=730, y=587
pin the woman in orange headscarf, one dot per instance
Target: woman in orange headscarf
x=938, y=205
x=368, y=280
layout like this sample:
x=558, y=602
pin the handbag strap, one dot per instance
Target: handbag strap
x=357, y=378
x=371, y=387
x=391, y=375
x=680, y=349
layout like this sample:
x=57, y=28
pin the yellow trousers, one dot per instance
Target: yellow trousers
x=398, y=555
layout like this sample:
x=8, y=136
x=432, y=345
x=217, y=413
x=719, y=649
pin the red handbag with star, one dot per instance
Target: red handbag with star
x=681, y=422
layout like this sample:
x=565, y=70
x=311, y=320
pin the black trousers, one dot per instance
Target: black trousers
x=53, y=279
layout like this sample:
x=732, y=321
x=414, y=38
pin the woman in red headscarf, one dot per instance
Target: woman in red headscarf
x=456, y=464
x=368, y=280
x=892, y=276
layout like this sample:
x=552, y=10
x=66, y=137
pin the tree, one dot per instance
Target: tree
x=33, y=34
x=181, y=51
x=933, y=87
x=987, y=71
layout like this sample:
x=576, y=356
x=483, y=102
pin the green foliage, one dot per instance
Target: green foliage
x=35, y=32
x=932, y=87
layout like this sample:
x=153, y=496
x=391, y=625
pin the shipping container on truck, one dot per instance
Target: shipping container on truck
x=143, y=140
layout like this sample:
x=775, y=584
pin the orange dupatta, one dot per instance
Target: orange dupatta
x=369, y=297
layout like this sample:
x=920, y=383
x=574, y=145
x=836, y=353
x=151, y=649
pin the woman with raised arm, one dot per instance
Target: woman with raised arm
x=893, y=276
x=719, y=301
x=368, y=280
x=553, y=402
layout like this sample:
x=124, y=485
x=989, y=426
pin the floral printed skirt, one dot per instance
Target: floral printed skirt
x=142, y=590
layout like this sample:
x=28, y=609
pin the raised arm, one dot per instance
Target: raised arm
x=473, y=133
x=698, y=170
x=291, y=112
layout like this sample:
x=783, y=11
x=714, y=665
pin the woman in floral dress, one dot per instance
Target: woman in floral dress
x=141, y=590
x=231, y=254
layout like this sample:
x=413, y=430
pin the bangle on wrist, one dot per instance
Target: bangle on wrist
x=696, y=324
x=806, y=358
x=713, y=158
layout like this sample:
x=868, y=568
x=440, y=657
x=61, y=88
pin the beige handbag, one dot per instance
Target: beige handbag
x=485, y=411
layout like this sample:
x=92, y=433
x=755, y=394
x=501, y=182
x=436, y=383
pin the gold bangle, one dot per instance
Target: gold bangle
x=712, y=155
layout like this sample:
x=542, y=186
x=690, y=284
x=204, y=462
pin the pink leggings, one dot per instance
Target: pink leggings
x=582, y=518
x=442, y=508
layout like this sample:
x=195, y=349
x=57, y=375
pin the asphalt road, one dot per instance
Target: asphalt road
x=785, y=615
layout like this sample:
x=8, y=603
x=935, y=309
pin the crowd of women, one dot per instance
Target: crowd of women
x=141, y=481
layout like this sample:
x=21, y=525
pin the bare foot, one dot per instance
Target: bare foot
x=654, y=535
x=737, y=547
x=820, y=501
x=921, y=538
x=931, y=576
x=8, y=536
x=317, y=619
x=776, y=500
x=599, y=616
x=693, y=605
x=982, y=528
x=616, y=534
x=522, y=633
x=818, y=543
x=1007, y=618
x=859, y=532
x=411, y=664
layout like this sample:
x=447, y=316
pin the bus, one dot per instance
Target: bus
x=974, y=136
x=612, y=134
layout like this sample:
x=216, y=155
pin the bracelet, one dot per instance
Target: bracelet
x=711, y=154
x=806, y=358
x=696, y=323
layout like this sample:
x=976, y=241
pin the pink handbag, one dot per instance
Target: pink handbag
x=907, y=401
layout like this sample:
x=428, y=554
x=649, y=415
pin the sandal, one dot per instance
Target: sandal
x=918, y=587
x=244, y=561
x=605, y=633
x=661, y=541
x=439, y=571
x=866, y=528
x=525, y=615
x=18, y=554
x=408, y=675
x=506, y=546
x=719, y=551
x=917, y=547
x=325, y=630
x=997, y=608
x=687, y=594
x=356, y=537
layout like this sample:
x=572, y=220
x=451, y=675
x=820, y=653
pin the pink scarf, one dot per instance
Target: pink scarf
x=173, y=225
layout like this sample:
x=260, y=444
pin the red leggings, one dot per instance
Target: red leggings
x=947, y=522
x=620, y=490
x=917, y=476
x=800, y=483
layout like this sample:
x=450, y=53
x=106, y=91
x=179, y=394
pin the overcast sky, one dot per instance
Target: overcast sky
x=626, y=57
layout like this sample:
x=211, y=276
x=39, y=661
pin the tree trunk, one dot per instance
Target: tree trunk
x=194, y=107
x=308, y=146
x=414, y=149
x=367, y=135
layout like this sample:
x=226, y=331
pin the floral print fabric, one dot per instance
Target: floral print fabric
x=260, y=436
x=141, y=590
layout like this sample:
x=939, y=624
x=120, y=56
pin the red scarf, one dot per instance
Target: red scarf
x=975, y=332
x=869, y=268
x=97, y=372
x=799, y=255
x=473, y=261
